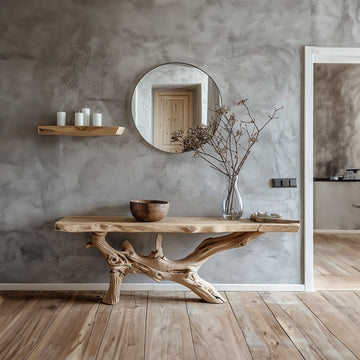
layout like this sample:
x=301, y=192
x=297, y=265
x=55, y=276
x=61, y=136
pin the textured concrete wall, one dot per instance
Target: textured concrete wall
x=72, y=53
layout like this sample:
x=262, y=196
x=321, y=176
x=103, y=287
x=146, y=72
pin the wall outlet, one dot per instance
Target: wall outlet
x=283, y=182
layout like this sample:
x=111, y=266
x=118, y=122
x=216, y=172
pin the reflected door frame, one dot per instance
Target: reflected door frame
x=172, y=111
x=313, y=55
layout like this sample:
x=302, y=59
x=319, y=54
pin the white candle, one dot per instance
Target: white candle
x=61, y=118
x=86, y=112
x=79, y=119
x=97, y=119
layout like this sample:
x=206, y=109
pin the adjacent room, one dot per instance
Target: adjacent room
x=179, y=179
x=336, y=177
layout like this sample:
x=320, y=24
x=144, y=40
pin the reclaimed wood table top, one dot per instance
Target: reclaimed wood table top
x=77, y=224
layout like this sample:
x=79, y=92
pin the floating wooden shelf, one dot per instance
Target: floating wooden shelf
x=80, y=130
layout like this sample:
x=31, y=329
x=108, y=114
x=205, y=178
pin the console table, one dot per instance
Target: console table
x=156, y=265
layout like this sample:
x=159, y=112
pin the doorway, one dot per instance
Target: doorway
x=318, y=55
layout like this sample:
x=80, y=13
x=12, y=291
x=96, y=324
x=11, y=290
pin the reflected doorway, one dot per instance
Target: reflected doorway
x=173, y=110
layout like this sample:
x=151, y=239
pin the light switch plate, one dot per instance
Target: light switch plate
x=283, y=182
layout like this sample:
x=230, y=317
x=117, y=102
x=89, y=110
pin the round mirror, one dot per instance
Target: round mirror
x=171, y=97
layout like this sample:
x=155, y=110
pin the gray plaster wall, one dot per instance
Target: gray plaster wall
x=72, y=53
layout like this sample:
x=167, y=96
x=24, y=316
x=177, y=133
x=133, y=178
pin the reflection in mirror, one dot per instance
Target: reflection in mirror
x=171, y=97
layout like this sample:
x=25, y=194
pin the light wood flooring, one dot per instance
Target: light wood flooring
x=172, y=326
x=337, y=261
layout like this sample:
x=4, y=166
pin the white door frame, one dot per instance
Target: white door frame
x=313, y=55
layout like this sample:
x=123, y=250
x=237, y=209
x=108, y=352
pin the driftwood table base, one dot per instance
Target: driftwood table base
x=159, y=268
x=156, y=265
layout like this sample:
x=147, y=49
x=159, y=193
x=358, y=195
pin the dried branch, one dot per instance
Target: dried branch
x=229, y=138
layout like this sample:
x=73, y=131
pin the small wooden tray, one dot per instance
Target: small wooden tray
x=269, y=219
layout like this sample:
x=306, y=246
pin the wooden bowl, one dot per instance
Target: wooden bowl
x=149, y=210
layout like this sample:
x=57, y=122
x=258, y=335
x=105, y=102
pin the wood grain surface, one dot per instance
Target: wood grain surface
x=80, y=130
x=337, y=261
x=178, y=325
x=167, y=225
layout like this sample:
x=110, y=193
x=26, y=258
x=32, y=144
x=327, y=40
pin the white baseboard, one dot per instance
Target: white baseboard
x=235, y=287
x=147, y=287
x=336, y=231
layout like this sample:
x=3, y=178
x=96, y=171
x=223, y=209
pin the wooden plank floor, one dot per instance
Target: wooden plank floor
x=337, y=261
x=177, y=325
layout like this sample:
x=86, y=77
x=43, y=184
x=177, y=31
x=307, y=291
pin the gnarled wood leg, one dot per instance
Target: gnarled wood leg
x=117, y=264
x=159, y=268
x=112, y=296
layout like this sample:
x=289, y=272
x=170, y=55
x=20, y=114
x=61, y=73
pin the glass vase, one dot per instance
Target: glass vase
x=232, y=205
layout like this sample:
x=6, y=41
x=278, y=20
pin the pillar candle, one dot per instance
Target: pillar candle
x=79, y=119
x=61, y=118
x=86, y=112
x=97, y=119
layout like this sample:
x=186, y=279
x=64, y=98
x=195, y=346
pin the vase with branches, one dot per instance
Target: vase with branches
x=225, y=144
